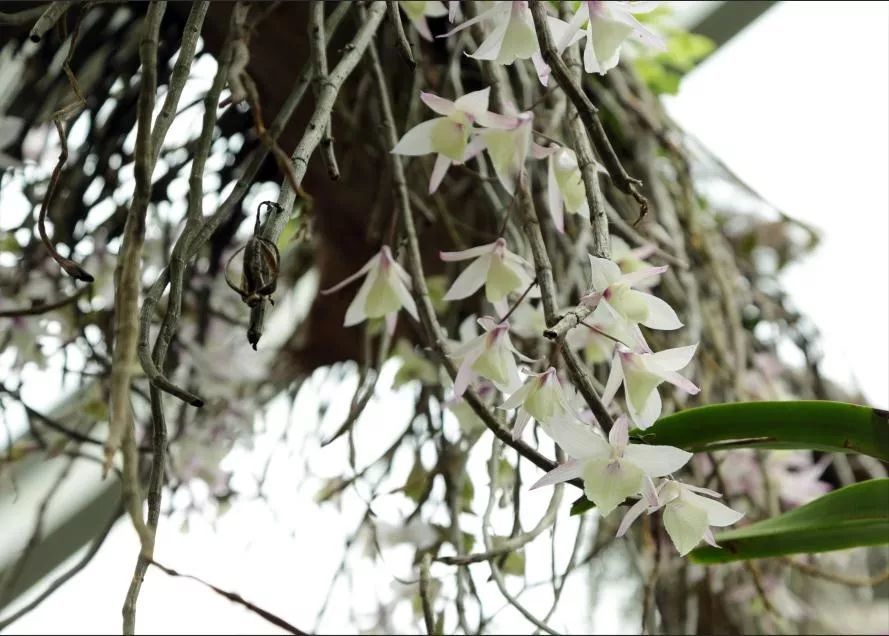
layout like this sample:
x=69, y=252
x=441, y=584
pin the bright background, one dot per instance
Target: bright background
x=797, y=106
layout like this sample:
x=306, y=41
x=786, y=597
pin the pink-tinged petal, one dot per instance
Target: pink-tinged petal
x=518, y=398
x=649, y=493
x=489, y=324
x=511, y=347
x=356, y=312
x=404, y=295
x=660, y=314
x=578, y=440
x=657, y=461
x=501, y=306
x=474, y=103
x=521, y=421
x=593, y=300
x=497, y=121
x=703, y=491
x=603, y=272
x=453, y=10
x=465, y=374
x=418, y=140
x=465, y=348
x=439, y=170
x=543, y=152
x=490, y=48
x=632, y=514
x=470, y=279
x=474, y=147
x=542, y=68
x=422, y=28
x=572, y=29
x=681, y=382
x=401, y=273
x=554, y=197
x=641, y=33
x=634, y=278
x=465, y=255
x=391, y=322
x=615, y=377
x=374, y=260
x=468, y=23
x=440, y=105
x=571, y=469
x=619, y=436
x=674, y=359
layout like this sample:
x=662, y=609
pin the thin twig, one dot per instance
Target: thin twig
x=589, y=114
x=428, y=616
x=274, y=225
x=235, y=598
x=318, y=40
x=404, y=47
x=48, y=19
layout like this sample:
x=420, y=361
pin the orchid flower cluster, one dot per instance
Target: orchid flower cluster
x=618, y=300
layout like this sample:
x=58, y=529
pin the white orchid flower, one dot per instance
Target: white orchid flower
x=608, y=25
x=565, y=190
x=641, y=374
x=614, y=290
x=495, y=267
x=449, y=136
x=490, y=355
x=508, y=149
x=687, y=515
x=612, y=470
x=383, y=292
x=600, y=332
x=512, y=35
x=632, y=260
x=541, y=397
x=418, y=10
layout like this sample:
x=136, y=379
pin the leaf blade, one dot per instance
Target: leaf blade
x=804, y=424
x=854, y=516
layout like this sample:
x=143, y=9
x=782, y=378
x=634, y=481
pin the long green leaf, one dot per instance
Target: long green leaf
x=809, y=424
x=857, y=515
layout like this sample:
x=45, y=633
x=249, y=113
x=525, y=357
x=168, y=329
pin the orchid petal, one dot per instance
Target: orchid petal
x=608, y=482
x=660, y=314
x=686, y=525
x=615, y=377
x=619, y=436
x=674, y=359
x=474, y=103
x=572, y=469
x=356, y=312
x=657, y=461
x=440, y=105
x=718, y=514
x=470, y=279
x=518, y=397
x=649, y=413
x=632, y=514
x=374, y=260
x=442, y=163
x=521, y=421
x=464, y=255
x=603, y=272
x=578, y=440
x=418, y=140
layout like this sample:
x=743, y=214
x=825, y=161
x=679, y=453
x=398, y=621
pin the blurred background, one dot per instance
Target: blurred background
x=794, y=101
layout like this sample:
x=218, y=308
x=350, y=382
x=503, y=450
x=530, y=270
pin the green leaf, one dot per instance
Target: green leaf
x=417, y=480
x=854, y=516
x=581, y=505
x=816, y=425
